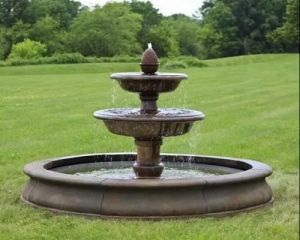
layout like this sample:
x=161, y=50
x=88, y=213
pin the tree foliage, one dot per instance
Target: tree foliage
x=62, y=11
x=219, y=33
x=47, y=30
x=187, y=34
x=219, y=28
x=11, y=11
x=163, y=39
x=4, y=43
x=242, y=25
x=107, y=31
x=10, y=36
x=150, y=18
x=287, y=36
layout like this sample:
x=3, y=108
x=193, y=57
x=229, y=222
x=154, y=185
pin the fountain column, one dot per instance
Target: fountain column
x=148, y=163
x=148, y=103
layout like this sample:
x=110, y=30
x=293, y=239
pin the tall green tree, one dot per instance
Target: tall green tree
x=47, y=30
x=19, y=32
x=286, y=37
x=150, y=18
x=187, y=34
x=163, y=39
x=106, y=31
x=10, y=36
x=254, y=19
x=5, y=43
x=62, y=11
x=219, y=33
x=11, y=11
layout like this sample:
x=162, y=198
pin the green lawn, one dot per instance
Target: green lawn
x=251, y=106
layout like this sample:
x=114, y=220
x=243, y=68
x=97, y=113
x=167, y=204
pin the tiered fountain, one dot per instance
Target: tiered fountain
x=105, y=184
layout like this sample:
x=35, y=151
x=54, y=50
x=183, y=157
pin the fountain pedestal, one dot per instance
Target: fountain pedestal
x=148, y=103
x=148, y=163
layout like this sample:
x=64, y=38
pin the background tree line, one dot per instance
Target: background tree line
x=219, y=28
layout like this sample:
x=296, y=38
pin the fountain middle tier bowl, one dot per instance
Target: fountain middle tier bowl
x=149, y=83
x=165, y=123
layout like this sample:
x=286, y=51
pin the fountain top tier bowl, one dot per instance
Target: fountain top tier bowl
x=148, y=84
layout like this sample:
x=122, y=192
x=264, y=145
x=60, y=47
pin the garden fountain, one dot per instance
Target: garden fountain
x=160, y=185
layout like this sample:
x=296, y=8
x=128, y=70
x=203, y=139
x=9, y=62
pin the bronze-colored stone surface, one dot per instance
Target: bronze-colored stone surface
x=148, y=130
x=152, y=83
x=147, y=198
x=149, y=62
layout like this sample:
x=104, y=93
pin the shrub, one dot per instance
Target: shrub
x=72, y=58
x=124, y=58
x=64, y=58
x=175, y=64
x=67, y=58
x=181, y=62
x=20, y=62
x=28, y=49
x=191, y=61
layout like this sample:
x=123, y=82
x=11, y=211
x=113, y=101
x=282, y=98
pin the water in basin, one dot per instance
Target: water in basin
x=123, y=170
x=162, y=114
x=127, y=173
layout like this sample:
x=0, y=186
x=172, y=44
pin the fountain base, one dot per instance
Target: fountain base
x=241, y=187
x=148, y=171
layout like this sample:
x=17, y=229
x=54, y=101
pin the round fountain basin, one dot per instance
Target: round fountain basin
x=195, y=186
x=140, y=82
x=165, y=123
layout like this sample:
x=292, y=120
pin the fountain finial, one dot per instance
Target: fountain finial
x=149, y=63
